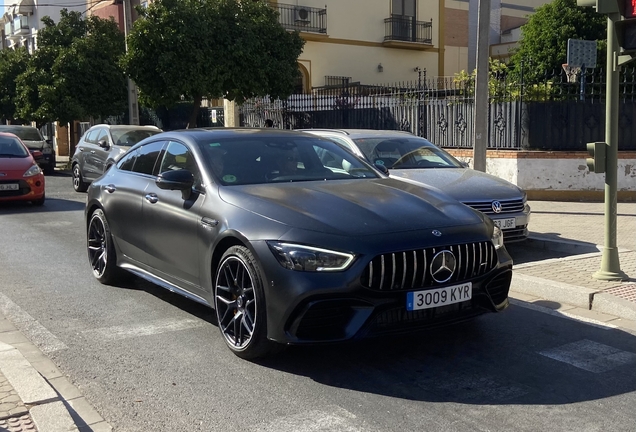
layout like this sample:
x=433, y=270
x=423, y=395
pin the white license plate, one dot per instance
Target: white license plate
x=505, y=223
x=10, y=186
x=439, y=297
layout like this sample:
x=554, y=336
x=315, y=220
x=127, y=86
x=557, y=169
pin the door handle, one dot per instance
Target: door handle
x=152, y=198
x=110, y=188
x=92, y=151
x=81, y=149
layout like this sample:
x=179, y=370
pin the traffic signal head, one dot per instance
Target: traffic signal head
x=626, y=27
x=596, y=161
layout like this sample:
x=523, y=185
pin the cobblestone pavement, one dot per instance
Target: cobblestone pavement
x=10, y=404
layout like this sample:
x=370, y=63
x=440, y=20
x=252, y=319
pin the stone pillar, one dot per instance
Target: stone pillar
x=231, y=113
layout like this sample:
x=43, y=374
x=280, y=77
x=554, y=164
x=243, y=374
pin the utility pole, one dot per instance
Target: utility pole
x=133, y=106
x=481, y=106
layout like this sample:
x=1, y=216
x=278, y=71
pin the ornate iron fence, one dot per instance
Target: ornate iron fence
x=554, y=114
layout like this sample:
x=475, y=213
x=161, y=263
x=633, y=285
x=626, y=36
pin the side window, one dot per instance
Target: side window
x=127, y=162
x=343, y=142
x=91, y=136
x=178, y=156
x=103, y=135
x=147, y=156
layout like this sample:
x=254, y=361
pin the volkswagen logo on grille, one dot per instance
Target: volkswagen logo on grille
x=443, y=266
x=437, y=233
x=496, y=206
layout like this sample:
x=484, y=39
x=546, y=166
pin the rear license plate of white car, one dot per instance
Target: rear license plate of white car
x=505, y=223
x=439, y=297
x=10, y=186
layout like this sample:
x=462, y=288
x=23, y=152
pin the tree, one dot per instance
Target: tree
x=12, y=64
x=545, y=37
x=74, y=74
x=210, y=48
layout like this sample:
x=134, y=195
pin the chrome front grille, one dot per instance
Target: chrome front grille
x=507, y=206
x=411, y=269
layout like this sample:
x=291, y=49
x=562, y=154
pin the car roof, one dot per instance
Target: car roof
x=9, y=134
x=211, y=133
x=360, y=133
x=126, y=127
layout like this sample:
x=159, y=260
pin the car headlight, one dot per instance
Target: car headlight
x=308, y=258
x=47, y=150
x=497, y=237
x=34, y=170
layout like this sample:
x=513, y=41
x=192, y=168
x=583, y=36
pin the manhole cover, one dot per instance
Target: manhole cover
x=627, y=292
x=18, y=424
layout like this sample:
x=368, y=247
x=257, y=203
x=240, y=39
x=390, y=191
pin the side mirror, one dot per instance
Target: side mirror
x=176, y=180
x=464, y=164
x=382, y=168
x=103, y=144
x=36, y=154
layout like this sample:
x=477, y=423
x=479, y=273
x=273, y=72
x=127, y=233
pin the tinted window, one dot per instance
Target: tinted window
x=25, y=133
x=405, y=152
x=177, y=156
x=127, y=162
x=147, y=156
x=129, y=138
x=91, y=136
x=11, y=147
x=236, y=161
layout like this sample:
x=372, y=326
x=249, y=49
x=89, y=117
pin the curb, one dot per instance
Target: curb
x=587, y=298
x=45, y=406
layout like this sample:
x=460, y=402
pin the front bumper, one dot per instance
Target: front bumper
x=46, y=161
x=310, y=308
x=28, y=189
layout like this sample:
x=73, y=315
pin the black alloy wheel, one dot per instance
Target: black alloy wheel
x=78, y=181
x=101, y=252
x=240, y=305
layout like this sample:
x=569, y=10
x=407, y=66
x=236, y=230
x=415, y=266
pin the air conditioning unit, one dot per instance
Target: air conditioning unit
x=302, y=15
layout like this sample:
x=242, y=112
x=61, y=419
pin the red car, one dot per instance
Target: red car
x=21, y=179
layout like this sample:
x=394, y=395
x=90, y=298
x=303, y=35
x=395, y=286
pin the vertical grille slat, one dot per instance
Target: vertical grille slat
x=396, y=271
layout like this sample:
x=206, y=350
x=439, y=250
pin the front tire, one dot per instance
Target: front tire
x=78, y=181
x=39, y=202
x=101, y=251
x=239, y=303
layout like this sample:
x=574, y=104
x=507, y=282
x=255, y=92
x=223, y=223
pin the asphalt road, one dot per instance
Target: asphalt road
x=148, y=360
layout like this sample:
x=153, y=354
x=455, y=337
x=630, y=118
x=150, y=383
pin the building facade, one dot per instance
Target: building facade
x=21, y=20
x=460, y=30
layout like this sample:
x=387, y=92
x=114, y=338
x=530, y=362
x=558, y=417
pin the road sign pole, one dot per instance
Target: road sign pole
x=610, y=264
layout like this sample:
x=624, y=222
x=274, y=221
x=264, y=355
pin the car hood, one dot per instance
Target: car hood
x=19, y=165
x=463, y=184
x=34, y=145
x=356, y=207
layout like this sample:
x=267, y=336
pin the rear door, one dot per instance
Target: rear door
x=91, y=155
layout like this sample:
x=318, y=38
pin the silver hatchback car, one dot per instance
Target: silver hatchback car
x=408, y=156
x=100, y=147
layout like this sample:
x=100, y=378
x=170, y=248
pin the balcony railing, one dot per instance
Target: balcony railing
x=407, y=29
x=21, y=25
x=302, y=18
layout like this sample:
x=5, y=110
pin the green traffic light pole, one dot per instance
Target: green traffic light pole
x=610, y=263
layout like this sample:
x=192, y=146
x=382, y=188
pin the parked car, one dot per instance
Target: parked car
x=100, y=147
x=286, y=249
x=410, y=157
x=34, y=141
x=21, y=178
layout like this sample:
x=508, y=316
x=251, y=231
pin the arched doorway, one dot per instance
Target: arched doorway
x=303, y=85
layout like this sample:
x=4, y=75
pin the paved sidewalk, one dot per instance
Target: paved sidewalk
x=34, y=395
x=571, y=236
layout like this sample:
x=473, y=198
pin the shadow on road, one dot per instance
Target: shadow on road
x=50, y=205
x=548, y=246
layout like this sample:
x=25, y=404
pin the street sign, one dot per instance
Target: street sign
x=582, y=53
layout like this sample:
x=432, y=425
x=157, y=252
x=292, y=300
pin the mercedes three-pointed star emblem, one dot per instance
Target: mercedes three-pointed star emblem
x=443, y=266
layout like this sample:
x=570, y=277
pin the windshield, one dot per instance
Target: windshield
x=11, y=147
x=250, y=160
x=129, y=138
x=25, y=133
x=405, y=152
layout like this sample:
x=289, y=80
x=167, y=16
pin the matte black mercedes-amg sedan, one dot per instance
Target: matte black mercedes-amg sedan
x=286, y=247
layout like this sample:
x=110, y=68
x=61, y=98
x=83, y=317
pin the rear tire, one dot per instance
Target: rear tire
x=101, y=251
x=239, y=304
x=78, y=181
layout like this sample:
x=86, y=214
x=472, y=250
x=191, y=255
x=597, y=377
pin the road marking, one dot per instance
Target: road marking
x=30, y=327
x=590, y=356
x=562, y=314
x=147, y=329
x=315, y=421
